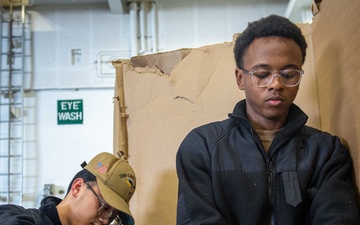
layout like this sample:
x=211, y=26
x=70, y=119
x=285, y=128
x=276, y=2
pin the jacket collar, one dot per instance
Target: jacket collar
x=296, y=117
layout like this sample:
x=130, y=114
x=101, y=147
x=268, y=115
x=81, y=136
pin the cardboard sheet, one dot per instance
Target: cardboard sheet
x=336, y=38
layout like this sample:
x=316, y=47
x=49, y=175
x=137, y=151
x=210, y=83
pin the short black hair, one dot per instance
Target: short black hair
x=272, y=25
x=83, y=174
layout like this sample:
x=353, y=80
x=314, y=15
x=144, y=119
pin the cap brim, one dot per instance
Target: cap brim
x=115, y=201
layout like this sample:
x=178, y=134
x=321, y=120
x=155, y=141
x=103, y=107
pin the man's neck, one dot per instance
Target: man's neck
x=266, y=124
x=63, y=211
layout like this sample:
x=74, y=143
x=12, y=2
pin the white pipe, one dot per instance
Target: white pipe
x=143, y=23
x=290, y=8
x=154, y=27
x=133, y=29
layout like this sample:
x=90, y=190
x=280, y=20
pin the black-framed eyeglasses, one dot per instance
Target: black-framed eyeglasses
x=105, y=211
x=263, y=78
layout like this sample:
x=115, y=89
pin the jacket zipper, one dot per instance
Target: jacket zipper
x=271, y=191
x=270, y=167
x=271, y=170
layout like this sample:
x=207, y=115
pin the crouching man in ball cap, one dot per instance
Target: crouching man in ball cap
x=98, y=194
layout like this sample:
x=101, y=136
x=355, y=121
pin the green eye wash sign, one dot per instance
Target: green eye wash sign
x=70, y=112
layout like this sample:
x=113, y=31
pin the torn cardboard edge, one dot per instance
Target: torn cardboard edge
x=315, y=7
x=164, y=61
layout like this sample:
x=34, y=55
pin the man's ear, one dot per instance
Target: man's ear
x=239, y=78
x=76, y=186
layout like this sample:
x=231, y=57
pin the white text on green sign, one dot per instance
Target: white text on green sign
x=70, y=111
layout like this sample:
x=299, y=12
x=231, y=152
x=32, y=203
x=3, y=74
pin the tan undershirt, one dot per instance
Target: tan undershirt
x=266, y=137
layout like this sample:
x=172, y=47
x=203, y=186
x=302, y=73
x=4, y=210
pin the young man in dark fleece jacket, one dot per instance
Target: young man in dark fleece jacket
x=263, y=165
x=98, y=194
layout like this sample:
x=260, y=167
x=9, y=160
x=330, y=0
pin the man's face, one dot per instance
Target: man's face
x=267, y=107
x=86, y=206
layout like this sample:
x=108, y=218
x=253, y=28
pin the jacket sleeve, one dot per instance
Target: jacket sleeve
x=15, y=215
x=196, y=204
x=335, y=199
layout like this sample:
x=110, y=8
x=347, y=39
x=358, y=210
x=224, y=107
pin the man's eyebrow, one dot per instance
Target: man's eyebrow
x=268, y=67
x=261, y=66
x=291, y=66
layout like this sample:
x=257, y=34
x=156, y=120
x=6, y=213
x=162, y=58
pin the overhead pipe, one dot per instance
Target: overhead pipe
x=154, y=27
x=140, y=13
x=143, y=26
x=134, y=50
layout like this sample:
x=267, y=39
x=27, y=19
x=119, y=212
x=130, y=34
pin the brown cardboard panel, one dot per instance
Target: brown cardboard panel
x=307, y=97
x=165, y=104
x=336, y=37
x=162, y=110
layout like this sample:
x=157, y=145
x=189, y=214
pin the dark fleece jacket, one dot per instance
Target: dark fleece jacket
x=226, y=177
